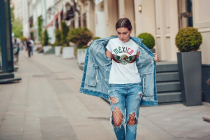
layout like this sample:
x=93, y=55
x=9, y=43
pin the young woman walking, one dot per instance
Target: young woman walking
x=121, y=69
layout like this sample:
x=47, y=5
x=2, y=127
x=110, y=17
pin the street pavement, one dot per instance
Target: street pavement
x=46, y=105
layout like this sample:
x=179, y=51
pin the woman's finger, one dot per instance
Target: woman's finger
x=89, y=43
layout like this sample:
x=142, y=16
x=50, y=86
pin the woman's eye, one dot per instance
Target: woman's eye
x=124, y=33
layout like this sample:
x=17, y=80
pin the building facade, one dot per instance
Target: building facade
x=161, y=18
x=18, y=12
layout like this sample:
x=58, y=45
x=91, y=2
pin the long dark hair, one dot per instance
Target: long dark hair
x=123, y=22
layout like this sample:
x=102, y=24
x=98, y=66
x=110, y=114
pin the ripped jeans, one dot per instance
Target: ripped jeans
x=125, y=97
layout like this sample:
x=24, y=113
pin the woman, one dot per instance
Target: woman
x=131, y=65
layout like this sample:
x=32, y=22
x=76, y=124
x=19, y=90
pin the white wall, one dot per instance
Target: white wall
x=18, y=11
x=26, y=32
x=145, y=20
x=111, y=13
x=201, y=20
x=51, y=29
x=90, y=17
x=100, y=20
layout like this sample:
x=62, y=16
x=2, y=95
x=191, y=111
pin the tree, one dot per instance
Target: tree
x=12, y=14
x=40, y=21
x=58, y=39
x=65, y=30
x=46, y=38
x=79, y=36
x=17, y=28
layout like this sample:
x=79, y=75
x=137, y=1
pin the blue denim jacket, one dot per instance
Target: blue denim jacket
x=97, y=67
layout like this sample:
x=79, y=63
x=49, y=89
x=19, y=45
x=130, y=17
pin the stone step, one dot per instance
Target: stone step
x=166, y=67
x=167, y=76
x=9, y=80
x=6, y=75
x=168, y=86
x=169, y=97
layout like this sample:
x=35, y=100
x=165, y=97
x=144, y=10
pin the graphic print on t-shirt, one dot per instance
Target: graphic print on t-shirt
x=123, y=59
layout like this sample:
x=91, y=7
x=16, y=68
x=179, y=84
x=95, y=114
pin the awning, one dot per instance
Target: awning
x=51, y=23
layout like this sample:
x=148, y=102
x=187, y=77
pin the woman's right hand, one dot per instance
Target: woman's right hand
x=89, y=43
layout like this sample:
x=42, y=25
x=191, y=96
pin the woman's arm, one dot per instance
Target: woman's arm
x=109, y=54
x=156, y=58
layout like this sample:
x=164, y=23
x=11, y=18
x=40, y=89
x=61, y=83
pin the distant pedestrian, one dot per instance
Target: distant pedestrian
x=16, y=50
x=28, y=47
x=32, y=46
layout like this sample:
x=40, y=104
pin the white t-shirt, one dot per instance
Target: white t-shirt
x=124, y=69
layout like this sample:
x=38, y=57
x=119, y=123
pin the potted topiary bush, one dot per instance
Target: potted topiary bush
x=188, y=41
x=58, y=42
x=46, y=43
x=148, y=41
x=80, y=36
x=96, y=38
x=67, y=50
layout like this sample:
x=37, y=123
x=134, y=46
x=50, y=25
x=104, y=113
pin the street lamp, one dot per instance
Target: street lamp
x=140, y=8
x=50, y=11
x=68, y=6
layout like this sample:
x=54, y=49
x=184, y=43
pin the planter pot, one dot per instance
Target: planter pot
x=81, y=55
x=205, y=86
x=46, y=48
x=152, y=50
x=189, y=65
x=58, y=50
x=68, y=52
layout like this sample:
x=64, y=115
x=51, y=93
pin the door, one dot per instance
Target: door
x=185, y=13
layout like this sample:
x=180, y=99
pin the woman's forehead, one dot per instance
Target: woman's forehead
x=122, y=29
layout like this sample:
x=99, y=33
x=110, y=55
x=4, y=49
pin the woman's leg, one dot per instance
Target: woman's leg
x=117, y=102
x=132, y=110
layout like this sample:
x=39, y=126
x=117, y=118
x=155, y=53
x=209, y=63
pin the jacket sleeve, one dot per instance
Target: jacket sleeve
x=91, y=72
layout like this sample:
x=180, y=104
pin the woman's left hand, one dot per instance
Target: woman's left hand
x=156, y=58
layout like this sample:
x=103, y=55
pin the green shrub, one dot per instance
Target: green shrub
x=188, y=39
x=65, y=30
x=148, y=40
x=46, y=38
x=17, y=28
x=58, y=40
x=79, y=36
x=40, y=21
x=96, y=38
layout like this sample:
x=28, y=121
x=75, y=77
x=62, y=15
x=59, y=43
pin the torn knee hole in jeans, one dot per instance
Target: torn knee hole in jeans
x=132, y=119
x=113, y=100
x=117, y=117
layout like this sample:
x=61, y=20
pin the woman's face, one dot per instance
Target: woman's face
x=124, y=34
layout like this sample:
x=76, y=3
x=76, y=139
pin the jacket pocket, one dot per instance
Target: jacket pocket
x=91, y=75
x=147, y=84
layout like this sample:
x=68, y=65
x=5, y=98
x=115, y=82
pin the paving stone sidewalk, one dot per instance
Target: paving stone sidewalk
x=47, y=105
